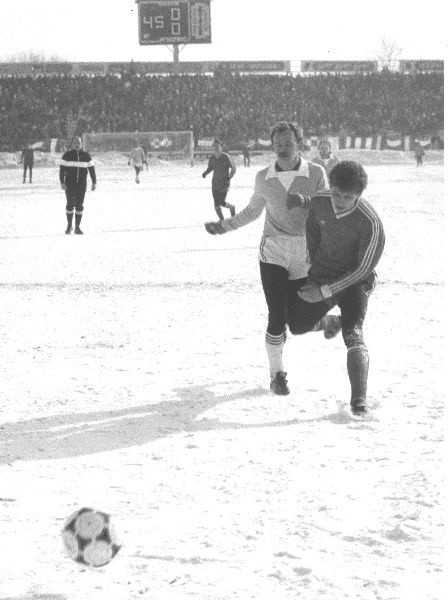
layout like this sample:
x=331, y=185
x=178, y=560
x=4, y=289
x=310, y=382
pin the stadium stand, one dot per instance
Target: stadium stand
x=230, y=106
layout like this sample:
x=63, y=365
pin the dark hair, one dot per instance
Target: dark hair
x=324, y=141
x=218, y=141
x=348, y=176
x=282, y=126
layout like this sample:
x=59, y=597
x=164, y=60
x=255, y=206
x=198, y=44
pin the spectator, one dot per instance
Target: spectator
x=220, y=105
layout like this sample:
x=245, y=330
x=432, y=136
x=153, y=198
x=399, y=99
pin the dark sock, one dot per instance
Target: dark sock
x=358, y=371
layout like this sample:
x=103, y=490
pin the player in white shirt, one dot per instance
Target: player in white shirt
x=284, y=189
x=325, y=158
x=138, y=159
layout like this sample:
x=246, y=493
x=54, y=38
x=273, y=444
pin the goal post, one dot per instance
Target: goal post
x=163, y=144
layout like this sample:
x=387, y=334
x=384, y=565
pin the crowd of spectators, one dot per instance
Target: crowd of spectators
x=230, y=106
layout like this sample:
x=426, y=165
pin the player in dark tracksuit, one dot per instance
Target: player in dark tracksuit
x=345, y=240
x=28, y=162
x=223, y=169
x=73, y=170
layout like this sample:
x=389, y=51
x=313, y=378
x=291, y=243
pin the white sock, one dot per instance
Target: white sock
x=274, y=348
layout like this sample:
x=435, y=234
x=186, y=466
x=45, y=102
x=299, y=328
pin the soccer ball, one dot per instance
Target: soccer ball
x=89, y=537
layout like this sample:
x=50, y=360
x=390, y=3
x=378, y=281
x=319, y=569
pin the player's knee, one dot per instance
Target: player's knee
x=353, y=337
x=298, y=327
x=276, y=325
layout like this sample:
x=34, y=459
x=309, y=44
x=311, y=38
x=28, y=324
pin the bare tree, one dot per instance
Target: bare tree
x=32, y=57
x=388, y=54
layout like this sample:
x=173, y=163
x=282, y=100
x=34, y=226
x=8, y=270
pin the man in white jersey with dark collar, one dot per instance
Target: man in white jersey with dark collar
x=325, y=158
x=284, y=190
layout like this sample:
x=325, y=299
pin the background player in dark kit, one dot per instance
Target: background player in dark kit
x=75, y=164
x=223, y=169
x=27, y=159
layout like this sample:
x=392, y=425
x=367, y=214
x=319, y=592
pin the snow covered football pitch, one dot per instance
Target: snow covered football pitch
x=134, y=380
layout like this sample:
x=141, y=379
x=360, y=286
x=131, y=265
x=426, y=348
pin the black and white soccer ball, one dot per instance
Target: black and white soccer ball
x=89, y=537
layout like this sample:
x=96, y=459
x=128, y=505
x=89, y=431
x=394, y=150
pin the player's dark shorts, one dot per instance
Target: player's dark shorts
x=75, y=198
x=302, y=316
x=219, y=196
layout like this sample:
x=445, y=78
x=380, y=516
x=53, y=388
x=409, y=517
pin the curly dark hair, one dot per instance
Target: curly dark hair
x=348, y=176
x=286, y=126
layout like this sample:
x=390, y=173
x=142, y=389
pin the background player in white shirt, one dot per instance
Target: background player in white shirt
x=138, y=159
x=325, y=158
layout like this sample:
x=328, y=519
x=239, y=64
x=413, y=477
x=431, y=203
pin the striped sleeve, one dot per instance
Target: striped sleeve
x=370, y=250
x=321, y=187
x=312, y=231
x=81, y=164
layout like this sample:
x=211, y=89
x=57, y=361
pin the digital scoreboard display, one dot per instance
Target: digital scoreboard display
x=174, y=22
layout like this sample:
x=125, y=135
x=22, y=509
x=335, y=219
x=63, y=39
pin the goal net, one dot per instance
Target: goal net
x=163, y=144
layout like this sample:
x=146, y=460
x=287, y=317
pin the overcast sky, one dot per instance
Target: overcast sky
x=107, y=30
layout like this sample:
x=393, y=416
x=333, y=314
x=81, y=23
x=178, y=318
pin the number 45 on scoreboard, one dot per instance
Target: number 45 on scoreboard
x=174, y=22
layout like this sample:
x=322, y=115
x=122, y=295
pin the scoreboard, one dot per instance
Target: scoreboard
x=174, y=22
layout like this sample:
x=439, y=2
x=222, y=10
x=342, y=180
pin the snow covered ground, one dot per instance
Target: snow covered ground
x=134, y=380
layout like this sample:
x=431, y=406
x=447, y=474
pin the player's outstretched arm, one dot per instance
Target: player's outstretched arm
x=215, y=228
x=297, y=201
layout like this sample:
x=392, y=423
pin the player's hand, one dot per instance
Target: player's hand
x=295, y=201
x=63, y=186
x=93, y=187
x=204, y=175
x=310, y=292
x=214, y=228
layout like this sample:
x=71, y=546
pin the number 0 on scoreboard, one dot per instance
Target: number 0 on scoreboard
x=174, y=21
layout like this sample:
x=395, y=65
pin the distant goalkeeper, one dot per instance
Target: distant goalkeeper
x=138, y=158
x=223, y=169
